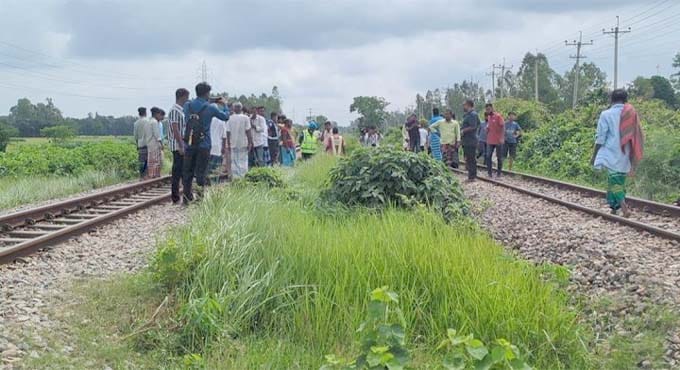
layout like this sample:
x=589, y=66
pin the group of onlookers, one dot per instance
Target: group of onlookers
x=211, y=139
x=443, y=136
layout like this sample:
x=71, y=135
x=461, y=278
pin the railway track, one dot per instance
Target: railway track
x=658, y=219
x=26, y=231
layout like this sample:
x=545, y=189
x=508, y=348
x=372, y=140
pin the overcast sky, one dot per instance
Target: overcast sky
x=112, y=56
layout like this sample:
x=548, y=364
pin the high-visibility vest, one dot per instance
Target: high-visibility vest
x=309, y=144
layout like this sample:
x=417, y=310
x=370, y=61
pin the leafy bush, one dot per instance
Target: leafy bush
x=44, y=160
x=266, y=176
x=58, y=133
x=377, y=178
x=6, y=132
x=530, y=114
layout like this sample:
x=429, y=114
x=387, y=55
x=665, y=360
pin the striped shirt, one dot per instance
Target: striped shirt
x=176, y=115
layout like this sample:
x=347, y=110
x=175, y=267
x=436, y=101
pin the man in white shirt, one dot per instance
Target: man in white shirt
x=239, y=141
x=141, y=139
x=218, y=145
x=259, y=127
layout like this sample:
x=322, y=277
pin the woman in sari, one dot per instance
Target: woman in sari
x=287, y=144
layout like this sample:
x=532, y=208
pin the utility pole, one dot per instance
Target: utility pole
x=204, y=72
x=494, y=67
x=616, y=31
x=579, y=44
x=536, y=77
x=310, y=114
x=503, y=67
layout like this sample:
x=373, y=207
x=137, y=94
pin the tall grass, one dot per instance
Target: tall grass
x=252, y=264
x=24, y=190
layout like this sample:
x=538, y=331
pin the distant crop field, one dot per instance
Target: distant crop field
x=16, y=143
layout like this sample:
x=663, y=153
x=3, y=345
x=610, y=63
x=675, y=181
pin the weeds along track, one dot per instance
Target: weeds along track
x=29, y=230
x=658, y=219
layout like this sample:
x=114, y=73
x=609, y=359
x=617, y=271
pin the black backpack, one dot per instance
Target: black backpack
x=194, y=132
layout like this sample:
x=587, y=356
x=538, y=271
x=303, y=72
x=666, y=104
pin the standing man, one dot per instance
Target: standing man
x=413, y=132
x=481, y=136
x=273, y=137
x=139, y=132
x=469, y=138
x=239, y=141
x=259, y=132
x=218, y=145
x=309, y=140
x=327, y=132
x=266, y=157
x=198, y=115
x=449, y=133
x=512, y=132
x=175, y=142
x=495, y=138
x=424, y=136
x=618, y=148
x=154, y=143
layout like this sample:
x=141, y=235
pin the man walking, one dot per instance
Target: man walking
x=618, y=148
x=239, y=141
x=449, y=133
x=512, y=132
x=495, y=138
x=198, y=115
x=273, y=137
x=139, y=133
x=469, y=138
x=175, y=142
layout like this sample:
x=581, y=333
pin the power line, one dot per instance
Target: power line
x=579, y=44
x=616, y=31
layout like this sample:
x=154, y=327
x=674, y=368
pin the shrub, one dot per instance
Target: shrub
x=378, y=178
x=530, y=114
x=58, y=133
x=267, y=176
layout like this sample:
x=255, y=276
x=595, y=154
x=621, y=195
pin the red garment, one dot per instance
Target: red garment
x=287, y=138
x=495, y=129
x=631, y=133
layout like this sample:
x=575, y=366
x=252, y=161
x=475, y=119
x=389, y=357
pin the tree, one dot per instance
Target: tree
x=656, y=87
x=676, y=76
x=58, y=134
x=591, y=78
x=548, y=79
x=29, y=119
x=371, y=109
x=6, y=132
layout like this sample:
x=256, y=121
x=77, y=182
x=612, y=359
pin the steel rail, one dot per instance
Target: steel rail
x=618, y=219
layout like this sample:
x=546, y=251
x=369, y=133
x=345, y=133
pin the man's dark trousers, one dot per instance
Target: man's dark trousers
x=470, y=152
x=177, y=169
x=195, y=164
x=498, y=148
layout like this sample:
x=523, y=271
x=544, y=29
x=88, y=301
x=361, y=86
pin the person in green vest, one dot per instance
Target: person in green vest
x=309, y=140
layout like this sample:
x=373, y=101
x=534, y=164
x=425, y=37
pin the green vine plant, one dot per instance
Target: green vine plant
x=466, y=352
x=383, y=344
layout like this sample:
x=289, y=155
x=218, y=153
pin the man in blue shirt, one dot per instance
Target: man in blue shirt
x=610, y=156
x=512, y=133
x=197, y=139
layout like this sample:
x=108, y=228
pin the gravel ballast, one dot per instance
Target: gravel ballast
x=29, y=285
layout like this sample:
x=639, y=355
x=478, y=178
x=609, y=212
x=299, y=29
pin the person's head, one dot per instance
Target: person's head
x=449, y=115
x=412, y=118
x=203, y=90
x=371, y=130
x=274, y=116
x=141, y=111
x=435, y=112
x=238, y=107
x=423, y=123
x=181, y=96
x=488, y=108
x=512, y=116
x=335, y=130
x=619, y=96
x=288, y=122
x=157, y=113
x=327, y=125
x=311, y=126
x=260, y=111
x=468, y=105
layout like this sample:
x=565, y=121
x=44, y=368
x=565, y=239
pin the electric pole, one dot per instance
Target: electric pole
x=310, y=114
x=494, y=67
x=616, y=31
x=503, y=67
x=204, y=72
x=536, y=77
x=579, y=44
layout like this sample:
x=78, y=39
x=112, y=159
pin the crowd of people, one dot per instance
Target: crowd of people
x=442, y=137
x=211, y=139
